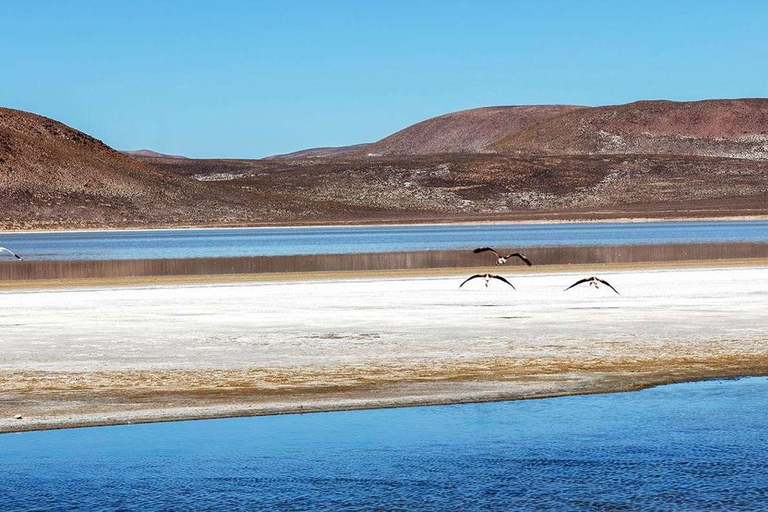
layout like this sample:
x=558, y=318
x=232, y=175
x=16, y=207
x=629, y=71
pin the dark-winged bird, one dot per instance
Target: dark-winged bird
x=487, y=278
x=11, y=253
x=500, y=260
x=593, y=281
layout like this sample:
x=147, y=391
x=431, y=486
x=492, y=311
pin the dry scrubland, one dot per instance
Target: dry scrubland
x=124, y=354
x=655, y=159
x=483, y=187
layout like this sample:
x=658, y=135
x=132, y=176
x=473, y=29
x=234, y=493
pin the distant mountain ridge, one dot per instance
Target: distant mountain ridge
x=733, y=128
x=465, y=131
x=653, y=158
x=326, y=152
x=149, y=153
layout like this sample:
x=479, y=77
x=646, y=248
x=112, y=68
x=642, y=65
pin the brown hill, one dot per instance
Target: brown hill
x=466, y=131
x=724, y=128
x=148, y=153
x=493, y=186
x=329, y=152
x=54, y=175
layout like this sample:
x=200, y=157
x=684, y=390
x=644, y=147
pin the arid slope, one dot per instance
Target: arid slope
x=472, y=187
x=645, y=159
x=723, y=128
x=149, y=153
x=52, y=175
x=328, y=152
x=467, y=131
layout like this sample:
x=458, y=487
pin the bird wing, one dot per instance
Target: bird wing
x=586, y=279
x=518, y=255
x=470, y=278
x=484, y=249
x=10, y=252
x=606, y=283
x=502, y=279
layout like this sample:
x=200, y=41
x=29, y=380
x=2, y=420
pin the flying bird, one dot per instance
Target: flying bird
x=593, y=281
x=11, y=253
x=503, y=259
x=487, y=278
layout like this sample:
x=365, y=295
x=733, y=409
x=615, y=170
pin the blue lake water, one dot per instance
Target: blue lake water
x=189, y=243
x=695, y=446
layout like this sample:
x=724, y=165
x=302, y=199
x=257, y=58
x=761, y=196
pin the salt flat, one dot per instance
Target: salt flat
x=121, y=354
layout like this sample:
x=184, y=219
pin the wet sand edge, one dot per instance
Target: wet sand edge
x=389, y=396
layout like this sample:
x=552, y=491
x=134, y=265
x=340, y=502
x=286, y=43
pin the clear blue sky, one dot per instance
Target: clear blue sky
x=250, y=79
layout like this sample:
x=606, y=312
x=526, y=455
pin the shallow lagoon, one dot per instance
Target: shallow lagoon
x=207, y=243
x=688, y=446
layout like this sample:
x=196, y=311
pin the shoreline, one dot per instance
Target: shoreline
x=75, y=357
x=356, y=275
x=416, y=223
x=344, y=404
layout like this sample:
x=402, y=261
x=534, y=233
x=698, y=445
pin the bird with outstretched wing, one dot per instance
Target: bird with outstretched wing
x=487, y=278
x=11, y=253
x=593, y=282
x=501, y=260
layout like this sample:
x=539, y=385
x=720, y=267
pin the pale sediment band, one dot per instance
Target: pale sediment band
x=541, y=256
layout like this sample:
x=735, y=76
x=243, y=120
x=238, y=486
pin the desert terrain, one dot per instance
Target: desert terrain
x=648, y=159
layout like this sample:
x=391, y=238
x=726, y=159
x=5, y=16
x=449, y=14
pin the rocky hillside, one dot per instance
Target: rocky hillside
x=330, y=152
x=467, y=131
x=722, y=128
x=54, y=175
x=493, y=186
x=148, y=153
x=645, y=159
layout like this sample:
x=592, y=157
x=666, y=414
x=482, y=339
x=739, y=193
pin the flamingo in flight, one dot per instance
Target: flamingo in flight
x=593, y=281
x=487, y=278
x=11, y=253
x=501, y=260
